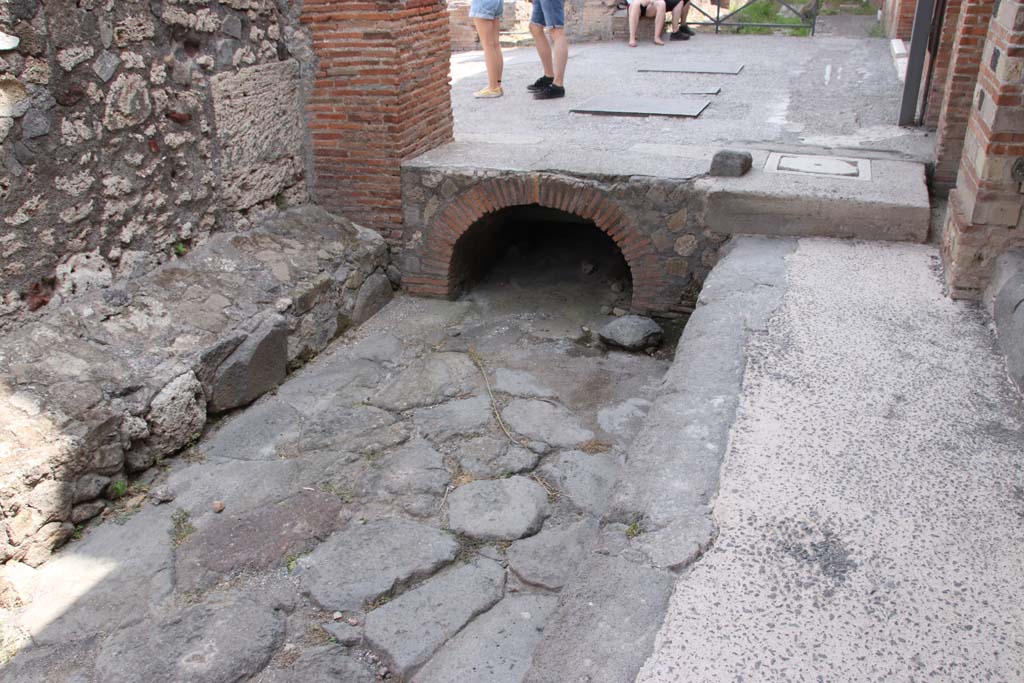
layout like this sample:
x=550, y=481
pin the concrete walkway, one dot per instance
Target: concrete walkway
x=872, y=494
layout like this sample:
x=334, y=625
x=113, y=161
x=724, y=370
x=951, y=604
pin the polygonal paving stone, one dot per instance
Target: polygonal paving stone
x=496, y=647
x=547, y=422
x=413, y=626
x=585, y=478
x=454, y=418
x=207, y=643
x=432, y=380
x=327, y=664
x=356, y=429
x=364, y=561
x=488, y=456
x=520, y=383
x=498, y=509
x=549, y=558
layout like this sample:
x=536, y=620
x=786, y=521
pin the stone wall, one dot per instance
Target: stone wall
x=657, y=224
x=120, y=378
x=131, y=131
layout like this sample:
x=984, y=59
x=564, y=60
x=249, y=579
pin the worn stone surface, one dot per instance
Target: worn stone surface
x=488, y=457
x=731, y=163
x=176, y=415
x=586, y=479
x=498, y=509
x=550, y=558
x=256, y=366
x=433, y=380
x=548, y=422
x=412, y=627
x=232, y=543
x=208, y=643
x=326, y=664
x=605, y=624
x=70, y=662
x=1005, y=297
x=461, y=417
x=632, y=333
x=364, y=561
x=373, y=295
x=496, y=647
x=520, y=383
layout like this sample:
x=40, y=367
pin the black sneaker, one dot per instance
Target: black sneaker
x=679, y=35
x=549, y=93
x=687, y=30
x=540, y=84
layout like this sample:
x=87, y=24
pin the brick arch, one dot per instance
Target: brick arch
x=489, y=196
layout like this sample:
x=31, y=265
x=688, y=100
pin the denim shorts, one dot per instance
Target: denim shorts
x=486, y=9
x=550, y=13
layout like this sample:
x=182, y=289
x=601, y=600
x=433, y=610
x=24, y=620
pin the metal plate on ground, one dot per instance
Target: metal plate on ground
x=617, y=105
x=697, y=68
x=806, y=164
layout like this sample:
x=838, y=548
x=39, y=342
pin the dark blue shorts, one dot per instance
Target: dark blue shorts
x=550, y=13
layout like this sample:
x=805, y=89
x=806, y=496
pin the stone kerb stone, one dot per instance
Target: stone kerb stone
x=122, y=377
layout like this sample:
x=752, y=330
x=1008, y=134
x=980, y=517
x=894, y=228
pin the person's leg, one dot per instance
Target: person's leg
x=677, y=16
x=634, y=20
x=659, y=21
x=487, y=29
x=499, y=57
x=561, y=54
x=540, y=40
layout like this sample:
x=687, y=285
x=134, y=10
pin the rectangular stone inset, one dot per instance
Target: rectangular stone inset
x=617, y=105
x=697, y=68
x=807, y=164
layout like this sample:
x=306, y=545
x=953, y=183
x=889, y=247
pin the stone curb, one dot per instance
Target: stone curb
x=1005, y=300
x=610, y=612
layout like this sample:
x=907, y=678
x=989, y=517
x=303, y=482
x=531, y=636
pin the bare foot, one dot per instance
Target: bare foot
x=659, y=41
x=632, y=43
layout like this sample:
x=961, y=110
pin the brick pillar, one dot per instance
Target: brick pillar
x=382, y=95
x=936, y=94
x=984, y=217
x=899, y=18
x=967, y=44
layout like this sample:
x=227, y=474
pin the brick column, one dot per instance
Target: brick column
x=382, y=95
x=899, y=18
x=967, y=44
x=936, y=94
x=984, y=217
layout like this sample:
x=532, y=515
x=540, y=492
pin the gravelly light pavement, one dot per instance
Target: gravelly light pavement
x=871, y=511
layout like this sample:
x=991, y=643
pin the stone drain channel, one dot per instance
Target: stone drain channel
x=372, y=519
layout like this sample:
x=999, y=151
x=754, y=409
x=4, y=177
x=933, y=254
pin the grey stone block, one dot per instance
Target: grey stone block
x=433, y=380
x=547, y=422
x=374, y=295
x=176, y=415
x=35, y=124
x=1007, y=297
x=327, y=664
x=584, y=478
x=552, y=556
x=632, y=333
x=365, y=561
x=460, y=417
x=258, y=365
x=604, y=629
x=499, y=509
x=413, y=626
x=730, y=163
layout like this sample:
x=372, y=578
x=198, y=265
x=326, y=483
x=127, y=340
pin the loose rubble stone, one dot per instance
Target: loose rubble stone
x=364, y=561
x=605, y=625
x=454, y=418
x=432, y=380
x=549, y=558
x=584, y=478
x=499, y=509
x=258, y=365
x=176, y=415
x=547, y=422
x=413, y=626
x=327, y=664
x=496, y=647
x=730, y=163
x=89, y=486
x=106, y=65
x=207, y=643
x=632, y=333
x=86, y=511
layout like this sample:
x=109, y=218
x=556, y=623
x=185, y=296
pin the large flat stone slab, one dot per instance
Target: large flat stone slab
x=432, y=380
x=546, y=421
x=550, y=558
x=496, y=647
x=585, y=478
x=365, y=561
x=498, y=509
x=207, y=643
x=461, y=417
x=326, y=664
x=413, y=626
x=617, y=105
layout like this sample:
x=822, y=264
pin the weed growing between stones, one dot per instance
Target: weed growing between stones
x=596, y=446
x=118, y=489
x=181, y=527
x=634, y=529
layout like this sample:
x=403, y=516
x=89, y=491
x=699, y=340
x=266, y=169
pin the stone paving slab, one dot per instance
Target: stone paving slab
x=613, y=105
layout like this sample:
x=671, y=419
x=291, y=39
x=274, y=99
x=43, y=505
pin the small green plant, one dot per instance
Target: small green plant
x=280, y=201
x=77, y=533
x=292, y=563
x=181, y=527
x=634, y=529
x=118, y=489
x=766, y=12
x=877, y=30
x=179, y=249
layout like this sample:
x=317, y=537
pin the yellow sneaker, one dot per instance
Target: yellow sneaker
x=488, y=93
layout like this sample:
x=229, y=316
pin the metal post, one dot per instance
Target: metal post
x=915, y=60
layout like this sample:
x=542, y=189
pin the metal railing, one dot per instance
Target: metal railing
x=718, y=20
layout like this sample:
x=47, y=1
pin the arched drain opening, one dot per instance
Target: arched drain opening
x=537, y=256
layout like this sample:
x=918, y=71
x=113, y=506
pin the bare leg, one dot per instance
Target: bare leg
x=487, y=29
x=677, y=14
x=561, y=51
x=540, y=40
x=659, y=21
x=499, y=56
x=634, y=21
